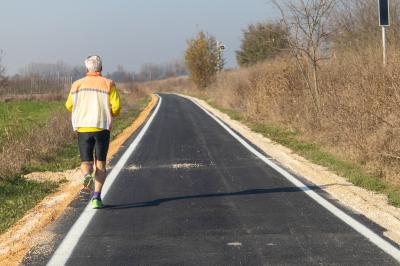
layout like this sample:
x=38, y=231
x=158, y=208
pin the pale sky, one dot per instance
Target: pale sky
x=124, y=32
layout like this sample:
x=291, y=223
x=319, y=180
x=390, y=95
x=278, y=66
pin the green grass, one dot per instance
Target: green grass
x=17, y=117
x=232, y=114
x=318, y=155
x=18, y=195
x=66, y=158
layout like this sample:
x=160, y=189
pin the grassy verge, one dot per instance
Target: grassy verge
x=318, y=155
x=68, y=157
x=18, y=117
x=18, y=195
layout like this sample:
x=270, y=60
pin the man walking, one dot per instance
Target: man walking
x=93, y=101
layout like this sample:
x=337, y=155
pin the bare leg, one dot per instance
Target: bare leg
x=86, y=167
x=100, y=175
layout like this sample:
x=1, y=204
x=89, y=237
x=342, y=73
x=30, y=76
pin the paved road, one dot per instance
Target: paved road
x=192, y=195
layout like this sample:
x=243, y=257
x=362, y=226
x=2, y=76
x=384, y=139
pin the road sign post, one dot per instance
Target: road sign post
x=384, y=45
x=220, y=62
x=384, y=21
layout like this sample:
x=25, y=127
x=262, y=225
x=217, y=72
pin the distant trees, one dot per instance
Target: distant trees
x=78, y=72
x=47, y=70
x=203, y=59
x=175, y=68
x=40, y=78
x=261, y=41
x=149, y=71
x=121, y=75
x=62, y=70
x=3, y=77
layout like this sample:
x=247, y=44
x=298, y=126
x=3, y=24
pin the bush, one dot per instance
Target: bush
x=262, y=41
x=202, y=59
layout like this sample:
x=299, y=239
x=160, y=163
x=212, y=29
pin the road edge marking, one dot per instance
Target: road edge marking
x=67, y=245
x=383, y=244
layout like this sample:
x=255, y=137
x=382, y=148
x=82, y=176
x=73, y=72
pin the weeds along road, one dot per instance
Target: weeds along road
x=191, y=194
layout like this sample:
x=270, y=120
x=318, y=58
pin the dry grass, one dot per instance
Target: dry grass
x=359, y=120
x=35, y=144
x=181, y=84
x=33, y=97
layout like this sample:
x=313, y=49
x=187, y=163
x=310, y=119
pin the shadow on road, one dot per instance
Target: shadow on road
x=157, y=202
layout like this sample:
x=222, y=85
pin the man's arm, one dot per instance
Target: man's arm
x=115, y=101
x=68, y=103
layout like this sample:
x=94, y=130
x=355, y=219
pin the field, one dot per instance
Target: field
x=19, y=117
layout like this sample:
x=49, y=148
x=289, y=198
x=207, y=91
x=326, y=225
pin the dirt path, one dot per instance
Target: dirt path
x=22, y=236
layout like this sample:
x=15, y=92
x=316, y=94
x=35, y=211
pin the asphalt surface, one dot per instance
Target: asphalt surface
x=191, y=194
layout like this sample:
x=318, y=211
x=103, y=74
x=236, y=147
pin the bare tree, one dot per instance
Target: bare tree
x=3, y=77
x=150, y=71
x=121, y=75
x=46, y=70
x=308, y=23
x=357, y=24
x=175, y=68
x=180, y=67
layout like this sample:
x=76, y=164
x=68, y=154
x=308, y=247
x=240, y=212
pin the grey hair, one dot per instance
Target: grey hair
x=93, y=63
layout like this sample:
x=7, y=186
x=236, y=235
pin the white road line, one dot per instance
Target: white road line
x=64, y=251
x=359, y=227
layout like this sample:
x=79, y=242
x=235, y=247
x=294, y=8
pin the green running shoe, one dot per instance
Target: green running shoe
x=87, y=181
x=97, y=203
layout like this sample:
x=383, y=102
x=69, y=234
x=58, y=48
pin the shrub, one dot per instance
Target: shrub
x=202, y=59
x=262, y=41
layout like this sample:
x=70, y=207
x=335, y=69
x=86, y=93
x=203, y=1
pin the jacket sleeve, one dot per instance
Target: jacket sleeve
x=68, y=103
x=115, y=101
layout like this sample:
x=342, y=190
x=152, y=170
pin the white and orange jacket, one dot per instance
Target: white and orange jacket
x=93, y=101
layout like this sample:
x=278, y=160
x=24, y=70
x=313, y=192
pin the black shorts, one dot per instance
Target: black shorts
x=97, y=142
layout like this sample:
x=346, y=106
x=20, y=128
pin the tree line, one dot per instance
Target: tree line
x=59, y=72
